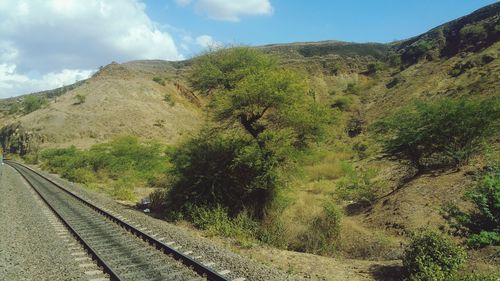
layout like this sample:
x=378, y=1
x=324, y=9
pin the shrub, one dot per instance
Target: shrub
x=361, y=149
x=221, y=170
x=124, y=160
x=323, y=235
x=168, y=99
x=352, y=89
x=30, y=158
x=343, y=103
x=217, y=222
x=420, y=49
x=431, y=256
x=484, y=222
x=357, y=184
x=272, y=232
x=80, y=99
x=123, y=189
x=354, y=126
x=375, y=67
x=32, y=103
x=159, y=80
x=14, y=108
x=445, y=132
x=473, y=33
x=473, y=277
x=394, y=60
x=483, y=238
x=393, y=82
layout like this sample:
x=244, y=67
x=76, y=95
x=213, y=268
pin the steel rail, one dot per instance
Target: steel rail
x=107, y=269
x=199, y=268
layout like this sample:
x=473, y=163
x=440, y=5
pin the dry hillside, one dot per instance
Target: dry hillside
x=120, y=99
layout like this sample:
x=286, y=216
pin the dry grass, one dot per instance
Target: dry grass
x=329, y=167
x=120, y=100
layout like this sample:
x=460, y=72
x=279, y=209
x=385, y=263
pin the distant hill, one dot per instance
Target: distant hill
x=151, y=98
x=120, y=99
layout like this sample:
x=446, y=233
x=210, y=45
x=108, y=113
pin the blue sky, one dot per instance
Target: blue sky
x=45, y=44
x=315, y=20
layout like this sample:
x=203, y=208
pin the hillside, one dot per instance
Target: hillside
x=120, y=99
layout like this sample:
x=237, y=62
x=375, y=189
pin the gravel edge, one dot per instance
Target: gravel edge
x=218, y=257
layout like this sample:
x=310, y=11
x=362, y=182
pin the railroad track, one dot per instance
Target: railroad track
x=123, y=251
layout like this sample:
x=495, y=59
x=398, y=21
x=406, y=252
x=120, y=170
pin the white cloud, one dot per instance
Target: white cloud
x=206, y=41
x=42, y=37
x=13, y=83
x=230, y=10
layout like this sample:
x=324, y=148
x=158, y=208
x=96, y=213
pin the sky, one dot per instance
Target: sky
x=45, y=44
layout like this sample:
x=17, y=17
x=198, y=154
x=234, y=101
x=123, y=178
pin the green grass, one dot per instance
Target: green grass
x=120, y=164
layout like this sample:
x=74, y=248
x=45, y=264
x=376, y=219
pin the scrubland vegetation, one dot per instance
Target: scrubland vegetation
x=116, y=167
x=265, y=137
x=299, y=165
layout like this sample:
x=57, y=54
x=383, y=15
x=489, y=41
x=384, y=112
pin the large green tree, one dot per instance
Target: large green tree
x=251, y=89
x=262, y=115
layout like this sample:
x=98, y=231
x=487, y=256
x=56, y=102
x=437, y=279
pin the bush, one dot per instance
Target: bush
x=217, y=222
x=32, y=103
x=124, y=160
x=393, y=82
x=394, y=60
x=484, y=222
x=357, y=185
x=168, y=99
x=221, y=170
x=14, y=108
x=361, y=149
x=375, y=67
x=323, y=235
x=473, y=277
x=445, y=132
x=473, y=33
x=352, y=89
x=419, y=50
x=343, y=103
x=431, y=256
x=123, y=189
x=272, y=232
x=80, y=99
x=159, y=80
x=483, y=239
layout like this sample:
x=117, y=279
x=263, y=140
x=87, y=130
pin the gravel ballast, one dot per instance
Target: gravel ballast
x=33, y=243
x=218, y=257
